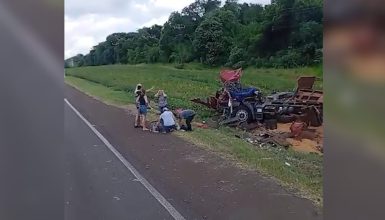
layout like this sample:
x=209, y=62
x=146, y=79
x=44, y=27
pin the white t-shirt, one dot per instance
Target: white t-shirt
x=167, y=118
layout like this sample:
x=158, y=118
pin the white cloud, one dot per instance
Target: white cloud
x=171, y=4
x=84, y=32
x=141, y=7
x=160, y=21
x=88, y=22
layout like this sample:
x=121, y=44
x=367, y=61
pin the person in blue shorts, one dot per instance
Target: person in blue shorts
x=142, y=103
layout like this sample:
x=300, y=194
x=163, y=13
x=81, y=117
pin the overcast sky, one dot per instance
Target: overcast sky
x=88, y=22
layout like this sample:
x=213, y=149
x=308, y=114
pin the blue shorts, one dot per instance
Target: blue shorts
x=143, y=109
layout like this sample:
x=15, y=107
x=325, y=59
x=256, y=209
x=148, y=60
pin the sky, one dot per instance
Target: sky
x=88, y=22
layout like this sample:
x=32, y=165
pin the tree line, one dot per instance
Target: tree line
x=285, y=33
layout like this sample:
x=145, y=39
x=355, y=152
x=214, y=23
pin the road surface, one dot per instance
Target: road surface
x=98, y=185
x=197, y=183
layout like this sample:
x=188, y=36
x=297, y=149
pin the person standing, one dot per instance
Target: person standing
x=162, y=100
x=186, y=114
x=138, y=90
x=142, y=103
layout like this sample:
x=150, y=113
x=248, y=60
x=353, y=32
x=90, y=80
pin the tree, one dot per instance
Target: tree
x=285, y=33
x=237, y=55
x=251, y=13
x=214, y=36
x=234, y=7
x=178, y=30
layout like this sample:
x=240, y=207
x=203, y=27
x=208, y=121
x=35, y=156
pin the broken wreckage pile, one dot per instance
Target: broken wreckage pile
x=247, y=109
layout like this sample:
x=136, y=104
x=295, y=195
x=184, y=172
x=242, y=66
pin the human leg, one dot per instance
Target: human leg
x=188, y=122
x=144, y=122
x=137, y=119
x=143, y=113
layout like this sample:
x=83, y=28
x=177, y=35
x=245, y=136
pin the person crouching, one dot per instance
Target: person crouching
x=167, y=121
x=186, y=114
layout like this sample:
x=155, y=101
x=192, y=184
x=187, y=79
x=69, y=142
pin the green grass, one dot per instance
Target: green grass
x=97, y=90
x=184, y=84
x=115, y=84
x=305, y=172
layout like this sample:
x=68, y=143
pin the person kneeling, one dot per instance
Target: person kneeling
x=167, y=121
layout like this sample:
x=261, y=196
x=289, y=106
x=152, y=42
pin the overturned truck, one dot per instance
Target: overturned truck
x=238, y=104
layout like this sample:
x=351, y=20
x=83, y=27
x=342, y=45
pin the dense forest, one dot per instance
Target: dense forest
x=286, y=33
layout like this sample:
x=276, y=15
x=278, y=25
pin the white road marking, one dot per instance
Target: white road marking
x=173, y=212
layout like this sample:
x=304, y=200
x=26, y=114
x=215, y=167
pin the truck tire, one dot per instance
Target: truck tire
x=243, y=114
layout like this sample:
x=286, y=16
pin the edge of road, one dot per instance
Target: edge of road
x=171, y=209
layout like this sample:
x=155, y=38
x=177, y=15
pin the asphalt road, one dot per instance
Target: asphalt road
x=98, y=185
x=198, y=183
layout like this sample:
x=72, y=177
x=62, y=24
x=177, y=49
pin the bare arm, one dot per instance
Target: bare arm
x=146, y=100
x=149, y=90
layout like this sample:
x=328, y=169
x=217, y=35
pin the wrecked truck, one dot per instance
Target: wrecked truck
x=238, y=104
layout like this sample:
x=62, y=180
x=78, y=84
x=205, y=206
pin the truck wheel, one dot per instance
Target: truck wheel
x=243, y=113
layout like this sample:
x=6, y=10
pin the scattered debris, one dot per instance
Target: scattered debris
x=296, y=129
x=236, y=103
x=287, y=164
x=116, y=198
x=279, y=119
x=299, y=138
x=201, y=125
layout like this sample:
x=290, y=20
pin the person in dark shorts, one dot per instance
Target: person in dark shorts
x=186, y=114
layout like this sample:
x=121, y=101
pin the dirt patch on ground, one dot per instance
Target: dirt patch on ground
x=311, y=139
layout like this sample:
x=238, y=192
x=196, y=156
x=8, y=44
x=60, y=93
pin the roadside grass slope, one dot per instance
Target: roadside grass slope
x=115, y=85
x=182, y=85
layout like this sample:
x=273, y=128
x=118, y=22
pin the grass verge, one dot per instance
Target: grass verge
x=182, y=85
x=304, y=173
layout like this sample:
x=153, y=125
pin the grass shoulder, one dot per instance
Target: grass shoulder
x=303, y=175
